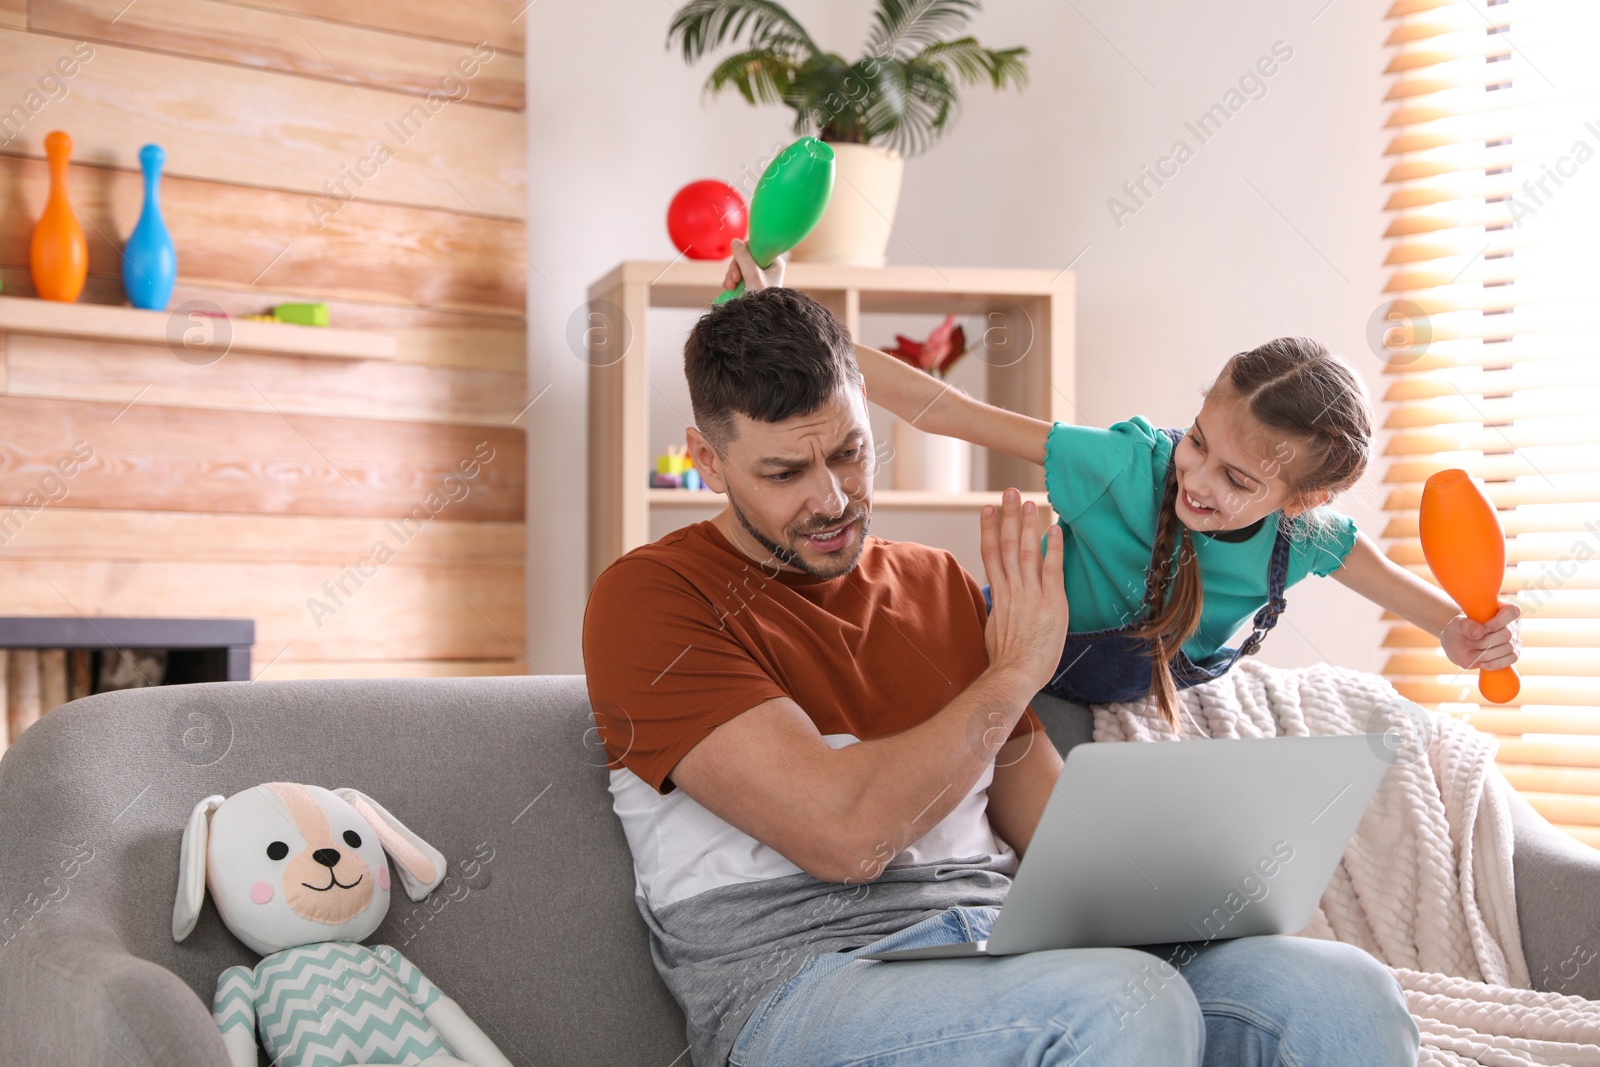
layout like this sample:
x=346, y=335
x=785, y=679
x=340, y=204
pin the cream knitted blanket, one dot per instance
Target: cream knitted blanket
x=1426, y=882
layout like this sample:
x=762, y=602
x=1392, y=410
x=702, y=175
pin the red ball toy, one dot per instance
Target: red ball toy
x=704, y=218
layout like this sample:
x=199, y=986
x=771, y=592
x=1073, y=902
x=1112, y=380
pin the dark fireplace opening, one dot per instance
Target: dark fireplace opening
x=46, y=662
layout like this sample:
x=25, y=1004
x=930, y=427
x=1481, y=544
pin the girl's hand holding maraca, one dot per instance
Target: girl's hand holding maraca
x=1484, y=645
x=742, y=267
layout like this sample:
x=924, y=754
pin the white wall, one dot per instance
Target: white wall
x=1273, y=227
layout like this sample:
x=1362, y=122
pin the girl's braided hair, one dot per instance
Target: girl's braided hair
x=1295, y=387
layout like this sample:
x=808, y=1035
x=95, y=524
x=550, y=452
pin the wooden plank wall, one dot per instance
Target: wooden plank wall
x=369, y=154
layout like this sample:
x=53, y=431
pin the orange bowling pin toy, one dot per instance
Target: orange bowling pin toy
x=58, y=255
x=1466, y=549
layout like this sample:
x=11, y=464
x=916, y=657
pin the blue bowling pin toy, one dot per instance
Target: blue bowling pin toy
x=149, y=262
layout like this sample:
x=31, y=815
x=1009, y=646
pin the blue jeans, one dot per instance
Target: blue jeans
x=1258, y=1001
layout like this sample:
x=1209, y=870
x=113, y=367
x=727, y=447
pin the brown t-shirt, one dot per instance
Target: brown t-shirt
x=686, y=633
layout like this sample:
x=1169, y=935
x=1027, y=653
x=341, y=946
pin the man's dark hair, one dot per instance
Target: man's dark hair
x=769, y=355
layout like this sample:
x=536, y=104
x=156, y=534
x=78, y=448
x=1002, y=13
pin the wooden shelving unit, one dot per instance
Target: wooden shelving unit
x=1033, y=308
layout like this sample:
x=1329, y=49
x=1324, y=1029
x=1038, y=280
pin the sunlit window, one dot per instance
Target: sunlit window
x=1494, y=353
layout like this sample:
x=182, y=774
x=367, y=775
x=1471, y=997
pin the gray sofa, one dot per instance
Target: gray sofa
x=537, y=938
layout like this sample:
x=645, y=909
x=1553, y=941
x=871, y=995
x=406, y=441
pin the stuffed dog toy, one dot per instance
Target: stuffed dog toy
x=299, y=874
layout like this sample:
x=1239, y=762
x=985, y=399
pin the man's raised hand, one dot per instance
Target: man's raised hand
x=1027, y=627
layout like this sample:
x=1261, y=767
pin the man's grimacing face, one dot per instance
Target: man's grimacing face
x=801, y=489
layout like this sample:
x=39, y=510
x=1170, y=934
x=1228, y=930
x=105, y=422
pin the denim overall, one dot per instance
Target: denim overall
x=1112, y=665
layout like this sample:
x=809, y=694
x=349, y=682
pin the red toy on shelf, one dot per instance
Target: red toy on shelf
x=704, y=218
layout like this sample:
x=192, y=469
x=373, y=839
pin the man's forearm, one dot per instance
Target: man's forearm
x=901, y=786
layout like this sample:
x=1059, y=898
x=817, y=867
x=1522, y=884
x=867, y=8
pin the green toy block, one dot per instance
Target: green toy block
x=302, y=314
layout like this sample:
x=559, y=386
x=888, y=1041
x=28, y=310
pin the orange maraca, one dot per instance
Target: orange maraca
x=1466, y=549
x=58, y=254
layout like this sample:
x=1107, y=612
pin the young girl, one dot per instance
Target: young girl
x=1174, y=538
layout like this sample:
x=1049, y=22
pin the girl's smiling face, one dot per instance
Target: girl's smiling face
x=1232, y=470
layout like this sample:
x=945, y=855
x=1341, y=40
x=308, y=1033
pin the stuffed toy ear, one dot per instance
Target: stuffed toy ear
x=421, y=866
x=192, y=868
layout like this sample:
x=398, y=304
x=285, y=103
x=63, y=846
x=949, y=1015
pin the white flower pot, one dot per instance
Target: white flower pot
x=855, y=228
x=930, y=462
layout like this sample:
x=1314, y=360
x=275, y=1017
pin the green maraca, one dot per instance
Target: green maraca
x=788, y=203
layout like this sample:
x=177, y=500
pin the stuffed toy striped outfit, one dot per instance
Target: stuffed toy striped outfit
x=332, y=1003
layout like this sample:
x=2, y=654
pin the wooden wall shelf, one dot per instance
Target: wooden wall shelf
x=102, y=322
x=1036, y=304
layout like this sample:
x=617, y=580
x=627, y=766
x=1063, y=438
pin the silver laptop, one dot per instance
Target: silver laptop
x=1147, y=843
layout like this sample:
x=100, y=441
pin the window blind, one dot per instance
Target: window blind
x=1491, y=336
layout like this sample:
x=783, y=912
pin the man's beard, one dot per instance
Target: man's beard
x=791, y=557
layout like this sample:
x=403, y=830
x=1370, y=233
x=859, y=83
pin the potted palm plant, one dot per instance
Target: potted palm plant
x=896, y=101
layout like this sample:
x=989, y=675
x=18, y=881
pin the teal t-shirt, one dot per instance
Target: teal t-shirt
x=1105, y=486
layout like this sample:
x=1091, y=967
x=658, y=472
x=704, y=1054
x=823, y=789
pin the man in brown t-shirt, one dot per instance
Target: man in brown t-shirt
x=841, y=711
x=820, y=747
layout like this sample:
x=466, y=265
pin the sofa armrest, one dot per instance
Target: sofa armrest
x=75, y=996
x=1558, y=903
